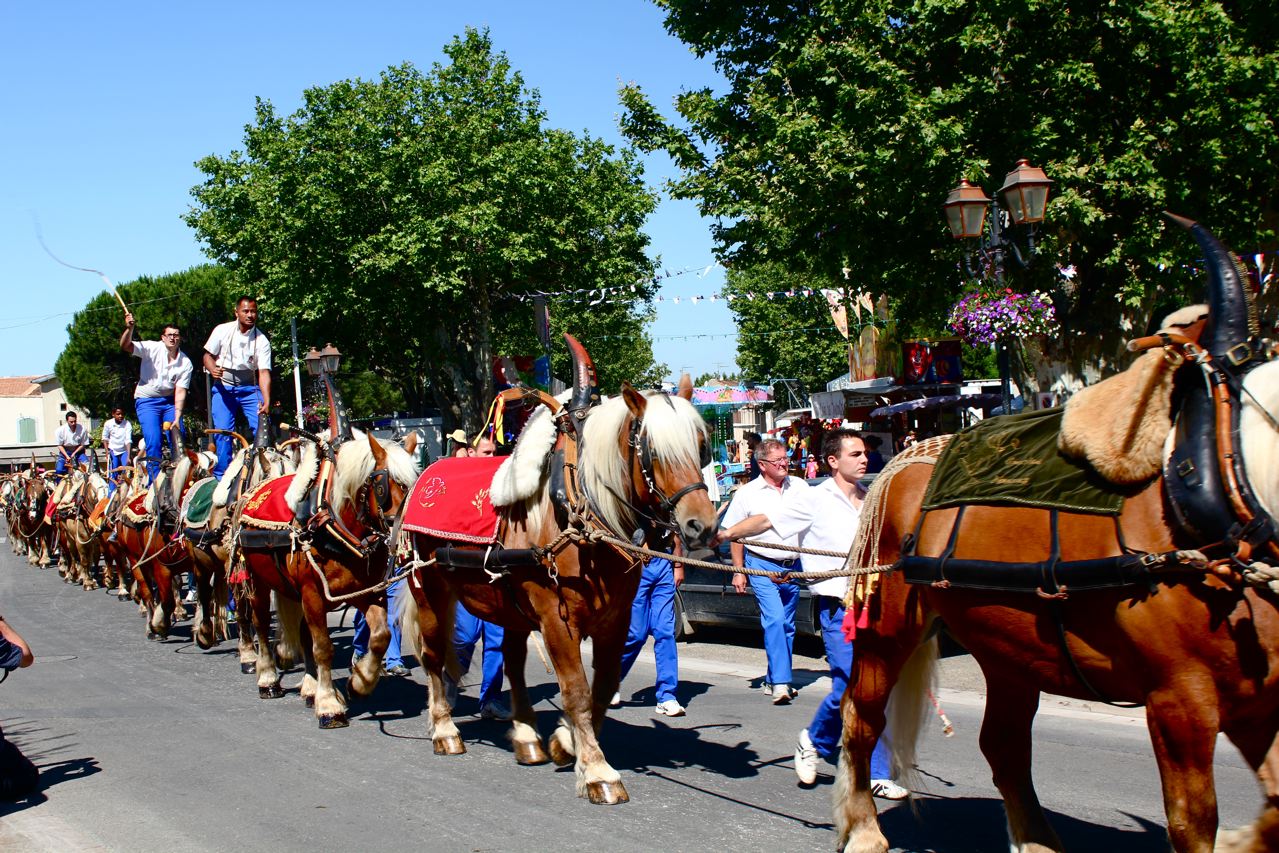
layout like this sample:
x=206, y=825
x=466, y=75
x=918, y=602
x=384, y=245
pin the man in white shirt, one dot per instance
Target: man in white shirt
x=238, y=357
x=72, y=438
x=117, y=436
x=162, y=385
x=769, y=492
x=826, y=518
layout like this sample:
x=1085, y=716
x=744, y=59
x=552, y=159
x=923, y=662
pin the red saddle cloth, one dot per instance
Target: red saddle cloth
x=265, y=506
x=138, y=504
x=451, y=500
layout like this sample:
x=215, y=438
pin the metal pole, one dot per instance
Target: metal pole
x=297, y=375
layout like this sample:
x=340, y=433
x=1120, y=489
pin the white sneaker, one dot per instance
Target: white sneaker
x=494, y=710
x=670, y=708
x=805, y=759
x=782, y=694
x=189, y=598
x=616, y=701
x=887, y=789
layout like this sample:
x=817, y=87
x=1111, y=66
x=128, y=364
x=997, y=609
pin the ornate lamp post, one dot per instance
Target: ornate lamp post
x=324, y=364
x=1025, y=193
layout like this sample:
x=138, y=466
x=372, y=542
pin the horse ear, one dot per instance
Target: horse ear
x=379, y=455
x=635, y=401
x=685, y=387
x=410, y=443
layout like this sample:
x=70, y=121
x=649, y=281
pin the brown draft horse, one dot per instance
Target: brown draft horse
x=316, y=574
x=152, y=552
x=1199, y=650
x=639, y=466
x=75, y=498
x=33, y=528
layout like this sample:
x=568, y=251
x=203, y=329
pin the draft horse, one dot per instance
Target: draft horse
x=32, y=528
x=637, y=475
x=1186, y=630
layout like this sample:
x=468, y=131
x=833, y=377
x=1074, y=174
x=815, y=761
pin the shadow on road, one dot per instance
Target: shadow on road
x=50, y=775
x=970, y=824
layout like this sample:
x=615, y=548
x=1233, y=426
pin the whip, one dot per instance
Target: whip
x=100, y=273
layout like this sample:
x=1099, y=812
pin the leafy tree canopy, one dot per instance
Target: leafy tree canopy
x=396, y=217
x=844, y=125
x=97, y=376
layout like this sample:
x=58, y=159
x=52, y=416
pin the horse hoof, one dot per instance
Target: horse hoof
x=274, y=691
x=449, y=745
x=310, y=701
x=248, y=668
x=606, y=793
x=561, y=756
x=333, y=721
x=152, y=635
x=530, y=754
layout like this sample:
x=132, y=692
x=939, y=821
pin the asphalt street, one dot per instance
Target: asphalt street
x=148, y=746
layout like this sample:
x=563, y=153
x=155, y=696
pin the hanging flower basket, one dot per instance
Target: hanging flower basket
x=987, y=317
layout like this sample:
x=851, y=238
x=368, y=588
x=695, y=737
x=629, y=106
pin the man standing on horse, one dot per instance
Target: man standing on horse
x=162, y=386
x=238, y=357
x=72, y=438
x=826, y=518
x=768, y=493
x=117, y=437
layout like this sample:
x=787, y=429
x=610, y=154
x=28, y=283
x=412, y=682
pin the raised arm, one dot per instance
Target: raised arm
x=126, y=339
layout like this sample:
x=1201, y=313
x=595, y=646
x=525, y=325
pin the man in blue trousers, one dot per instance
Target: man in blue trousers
x=162, y=386
x=772, y=490
x=393, y=663
x=826, y=519
x=238, y=357
x=653, y=613
x=468, y=629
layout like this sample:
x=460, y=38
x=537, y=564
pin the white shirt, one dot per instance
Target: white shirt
x=759, y=497
x=160, y=374
x=71, y=438
x=825, y=519
x=238, y=353
x=117, y=436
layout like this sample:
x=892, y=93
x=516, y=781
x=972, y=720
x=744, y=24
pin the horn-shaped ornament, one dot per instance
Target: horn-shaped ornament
x=1232, y=313
x=175, y=434
x=585, y=383
x=339, y=422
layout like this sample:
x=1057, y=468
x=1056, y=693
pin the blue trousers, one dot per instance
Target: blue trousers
x=777, y=603
x=229, y=400
x=827, y=727
x=152, y=413
x=61, y=467
x=467, y=630
x=361, y=642
x=654, y=613
x=115, y=460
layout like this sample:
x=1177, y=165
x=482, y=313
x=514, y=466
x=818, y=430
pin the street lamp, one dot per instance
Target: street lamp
x=1025, y=193
x=321, y=362
x=324, y=364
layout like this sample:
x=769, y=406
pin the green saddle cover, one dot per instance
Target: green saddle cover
x=199, y=503
x=1015, y=460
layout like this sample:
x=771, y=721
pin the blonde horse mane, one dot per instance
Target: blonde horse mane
x=671, y=426
x=355, y=465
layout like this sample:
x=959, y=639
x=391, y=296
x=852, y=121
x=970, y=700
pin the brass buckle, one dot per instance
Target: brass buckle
x=1173, y=357
x=1235, y=359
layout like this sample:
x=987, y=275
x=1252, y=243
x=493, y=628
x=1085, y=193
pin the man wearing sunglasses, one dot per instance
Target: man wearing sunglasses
x=768, y=493
x=826, y=518
x=162, y=386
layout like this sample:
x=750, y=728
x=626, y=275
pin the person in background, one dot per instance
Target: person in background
x=238, y=357
x=874, y=459
x=18, y=776
x=71, y=438
x=777, y=599
x=484, y=446
x=393, y=663
x=752, y=464
x=459, y=447
x=653, y=614
x=162, y=386
x=826, y=518
x=117, y=437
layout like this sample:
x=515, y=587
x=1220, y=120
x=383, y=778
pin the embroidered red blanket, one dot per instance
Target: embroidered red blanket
x=451, y=501
x=265, y=506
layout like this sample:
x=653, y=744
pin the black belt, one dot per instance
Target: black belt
x=785, y=564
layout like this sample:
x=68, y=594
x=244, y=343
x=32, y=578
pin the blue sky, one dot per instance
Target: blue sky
x=107, y=106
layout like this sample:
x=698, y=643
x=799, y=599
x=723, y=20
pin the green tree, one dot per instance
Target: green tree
x=396, y=217
x=843, y=125
x=97, y=376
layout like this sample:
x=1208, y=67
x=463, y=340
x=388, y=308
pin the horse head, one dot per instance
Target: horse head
x=641, y=464
x=374, y=478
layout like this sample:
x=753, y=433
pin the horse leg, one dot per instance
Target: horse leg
x=202, y=625
x=330, y=706
x=1005, y=741
x=525, y=740
x=309, y=681
x=428, y=620
x=268, y=674
x=596, y=779
x=1263, y=834
x=218, y=603
x=1184, y=735
x=606, y=659
x=162, y=616
x=367, y=671
x=244, y=629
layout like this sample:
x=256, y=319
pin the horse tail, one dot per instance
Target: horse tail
x=909, y=709
x=289, y=613
x=406, y=615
